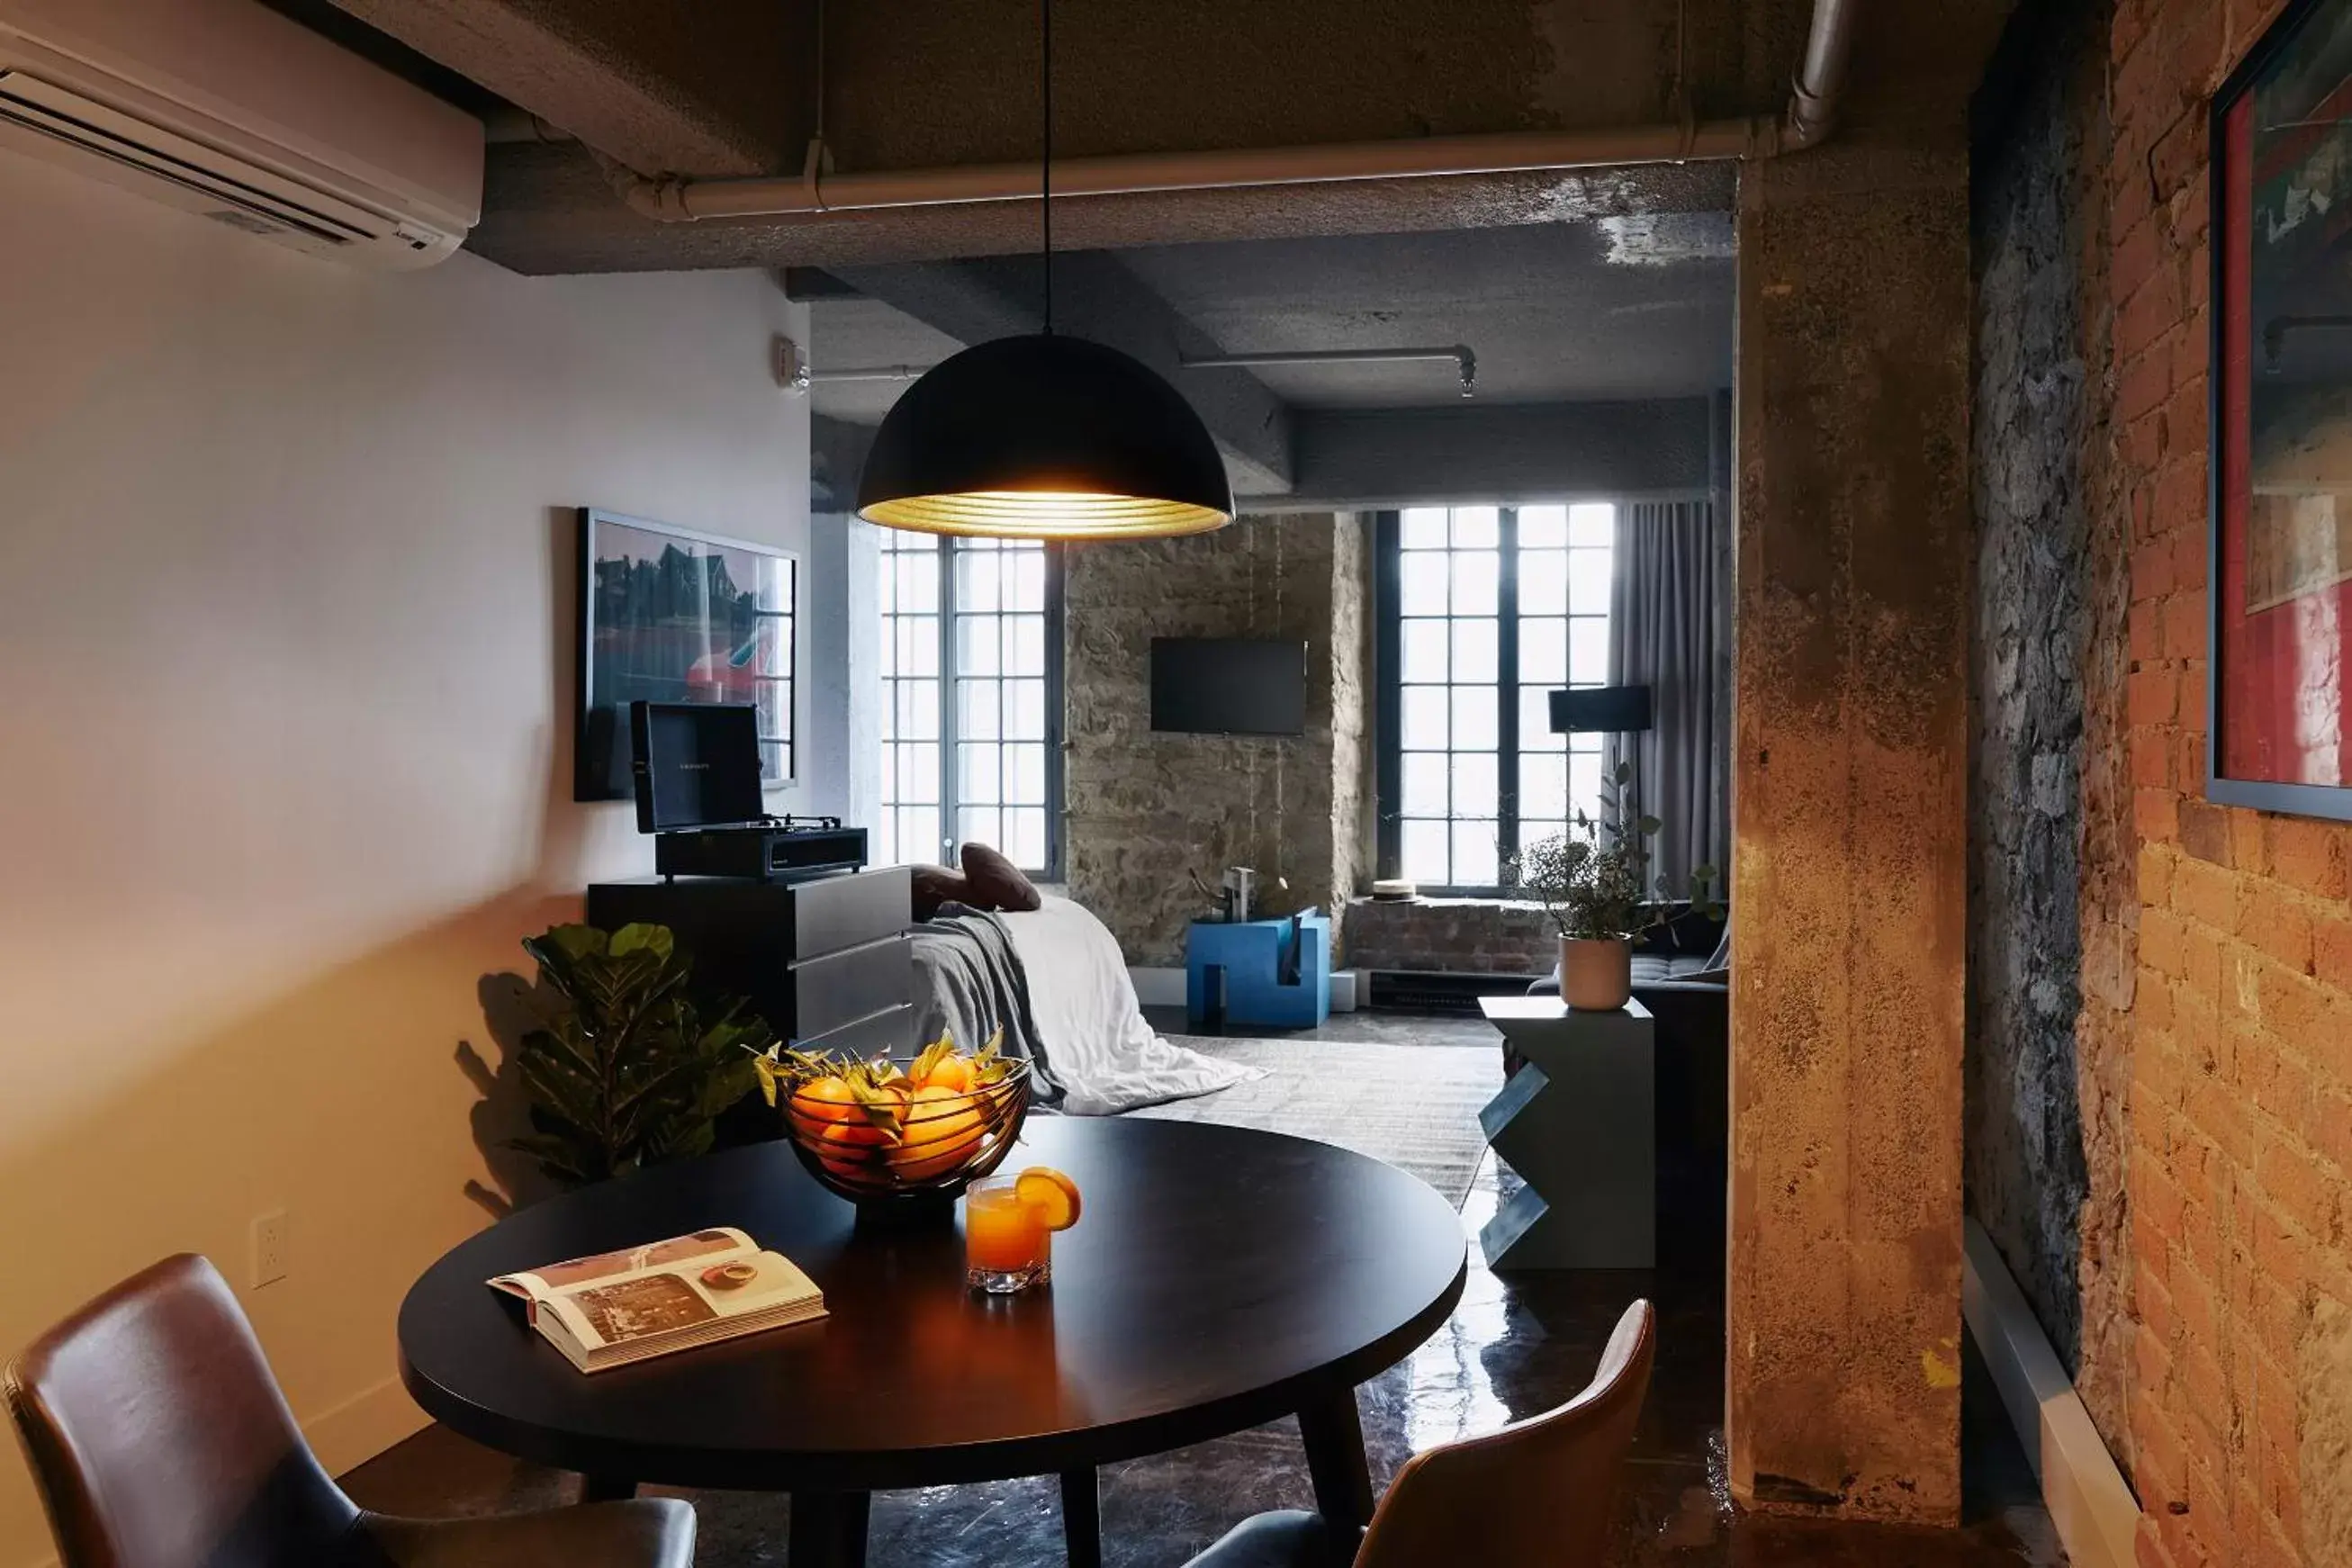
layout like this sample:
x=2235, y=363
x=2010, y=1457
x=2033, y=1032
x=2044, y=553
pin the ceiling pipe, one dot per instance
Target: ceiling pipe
x=870, y=372
x=1810, y=117
x=1465, y=363
x=1820, y=79
x=507, y=126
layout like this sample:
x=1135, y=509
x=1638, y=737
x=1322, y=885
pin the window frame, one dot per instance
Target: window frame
x=1388, y=695
x=951, y=714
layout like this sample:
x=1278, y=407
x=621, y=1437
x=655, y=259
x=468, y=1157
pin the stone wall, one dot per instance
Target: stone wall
x=1145, y=812
x=2045, y=1133
x=2240, y=1024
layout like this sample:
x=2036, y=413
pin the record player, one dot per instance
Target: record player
x=696, y=767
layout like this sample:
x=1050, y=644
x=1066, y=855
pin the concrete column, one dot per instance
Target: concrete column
x=1850, y=810
x=841, y=665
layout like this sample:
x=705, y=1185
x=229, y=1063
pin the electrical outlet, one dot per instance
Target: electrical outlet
x=269, y=1247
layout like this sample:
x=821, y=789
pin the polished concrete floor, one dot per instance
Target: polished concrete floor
x=1519, y=1344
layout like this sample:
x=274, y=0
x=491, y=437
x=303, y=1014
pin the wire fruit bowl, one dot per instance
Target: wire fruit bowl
x=910, y=1152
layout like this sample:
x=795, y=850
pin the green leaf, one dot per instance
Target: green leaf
x=641, y=937
x=556, y=1159
x=652, y=1079
x=632, y=1067
x=556, y=1043
x=562, y=1107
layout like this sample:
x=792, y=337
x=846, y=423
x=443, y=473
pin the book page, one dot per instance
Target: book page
x=636, y=1306
x=715, y=1245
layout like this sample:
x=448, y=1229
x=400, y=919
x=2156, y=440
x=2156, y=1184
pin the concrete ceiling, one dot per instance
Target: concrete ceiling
x=1621, y=308
x=1617, y=308
x=858, y=334
x=719, y=87
x=1599, y=299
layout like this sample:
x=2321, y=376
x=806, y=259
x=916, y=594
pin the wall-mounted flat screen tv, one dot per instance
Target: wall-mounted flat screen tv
x=669, y=615
x=1229, y=686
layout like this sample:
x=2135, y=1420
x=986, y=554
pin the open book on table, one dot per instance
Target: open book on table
x=625, y=1306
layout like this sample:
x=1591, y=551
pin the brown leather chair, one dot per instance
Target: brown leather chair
x=160, y=1440
x=1537, y=1494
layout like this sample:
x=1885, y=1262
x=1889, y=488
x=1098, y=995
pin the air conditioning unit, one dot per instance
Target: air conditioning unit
x=230, y=111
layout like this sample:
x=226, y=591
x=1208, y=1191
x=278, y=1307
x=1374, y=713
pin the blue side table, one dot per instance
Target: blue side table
x=1251, y=954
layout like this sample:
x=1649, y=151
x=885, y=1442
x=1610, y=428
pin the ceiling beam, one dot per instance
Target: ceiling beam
x=548, y=210
x=806, y=284
x=1096, y=298
x=711, y=89
x=1365, y=459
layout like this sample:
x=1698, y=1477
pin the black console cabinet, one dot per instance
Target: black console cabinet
x=825, y=961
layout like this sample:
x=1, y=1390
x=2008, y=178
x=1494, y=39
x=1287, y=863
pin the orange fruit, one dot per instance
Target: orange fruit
x=826, y=1100
x=849, y=1148
x=942, y=1131
x=1052, y=1194
x=950, y=1073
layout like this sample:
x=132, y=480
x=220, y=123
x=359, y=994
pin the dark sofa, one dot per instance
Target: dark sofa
x=1694, y=1087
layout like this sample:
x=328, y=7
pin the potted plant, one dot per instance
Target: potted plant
x=627, y=1068
x=1594, y=884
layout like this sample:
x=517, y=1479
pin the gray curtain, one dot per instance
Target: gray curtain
x=1665, y=632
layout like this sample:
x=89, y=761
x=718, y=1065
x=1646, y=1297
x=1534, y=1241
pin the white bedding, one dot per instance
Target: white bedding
x=1087, y=1015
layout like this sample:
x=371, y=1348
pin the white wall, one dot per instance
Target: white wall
x=841, y=649
x=285, y=666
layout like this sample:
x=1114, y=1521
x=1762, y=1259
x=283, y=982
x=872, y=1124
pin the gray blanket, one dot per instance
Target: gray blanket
x=969, y=983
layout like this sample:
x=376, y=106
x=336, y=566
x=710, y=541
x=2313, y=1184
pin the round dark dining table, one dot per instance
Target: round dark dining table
x=1219, y=1278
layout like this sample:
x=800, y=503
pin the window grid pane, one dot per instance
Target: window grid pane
x=909, y=582
x=992, y=790
x=1458, y=679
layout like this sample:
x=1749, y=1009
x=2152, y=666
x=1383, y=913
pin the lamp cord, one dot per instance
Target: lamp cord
x=1045, y=185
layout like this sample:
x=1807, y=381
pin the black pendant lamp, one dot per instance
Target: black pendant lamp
x=1044, y=437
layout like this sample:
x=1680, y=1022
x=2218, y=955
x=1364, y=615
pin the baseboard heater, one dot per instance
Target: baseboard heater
x=1442, y=991
x=2090, y=1502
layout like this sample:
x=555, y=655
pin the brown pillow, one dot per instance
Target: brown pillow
x=936, y=885
x=996, y=883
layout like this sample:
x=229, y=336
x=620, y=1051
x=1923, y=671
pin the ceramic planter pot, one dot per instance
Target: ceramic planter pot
x=1596, y=974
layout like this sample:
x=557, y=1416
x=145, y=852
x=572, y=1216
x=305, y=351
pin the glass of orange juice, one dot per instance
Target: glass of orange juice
x=1007, y=1246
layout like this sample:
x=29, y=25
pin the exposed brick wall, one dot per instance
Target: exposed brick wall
x=1460, y=936
x=2241, y=1103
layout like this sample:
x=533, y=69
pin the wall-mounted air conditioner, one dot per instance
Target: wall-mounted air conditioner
x=230, y=111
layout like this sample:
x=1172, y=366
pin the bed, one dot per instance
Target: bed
x=1054, y=981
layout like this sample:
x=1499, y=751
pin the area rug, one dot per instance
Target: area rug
x=1415, y=1107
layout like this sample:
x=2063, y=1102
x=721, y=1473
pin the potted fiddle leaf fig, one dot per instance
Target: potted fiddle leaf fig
x=627, y=1068
x=1594, y=884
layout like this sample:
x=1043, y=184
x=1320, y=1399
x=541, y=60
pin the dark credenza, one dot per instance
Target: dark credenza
x=825, y=962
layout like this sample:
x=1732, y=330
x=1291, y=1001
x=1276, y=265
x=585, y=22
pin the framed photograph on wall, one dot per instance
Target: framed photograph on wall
x=670, y=615
x=2279, y=719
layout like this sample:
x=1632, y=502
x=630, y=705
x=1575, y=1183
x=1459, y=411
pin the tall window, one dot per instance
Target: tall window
x=972, y=700
x=1482, y=612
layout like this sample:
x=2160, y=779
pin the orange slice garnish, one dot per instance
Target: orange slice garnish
x=1052, y=1194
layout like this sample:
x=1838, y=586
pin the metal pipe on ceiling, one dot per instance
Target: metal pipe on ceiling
x=1820, y=79
x=1807, y=119
x=1465, y=363
x=870, y=372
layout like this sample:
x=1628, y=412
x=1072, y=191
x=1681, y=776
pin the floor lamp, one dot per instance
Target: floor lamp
x=1607, y=710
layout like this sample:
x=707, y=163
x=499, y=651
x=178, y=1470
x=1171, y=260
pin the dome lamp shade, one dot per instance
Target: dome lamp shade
x=1044, y=437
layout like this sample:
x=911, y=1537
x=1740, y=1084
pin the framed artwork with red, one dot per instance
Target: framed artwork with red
x=2279, y=724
